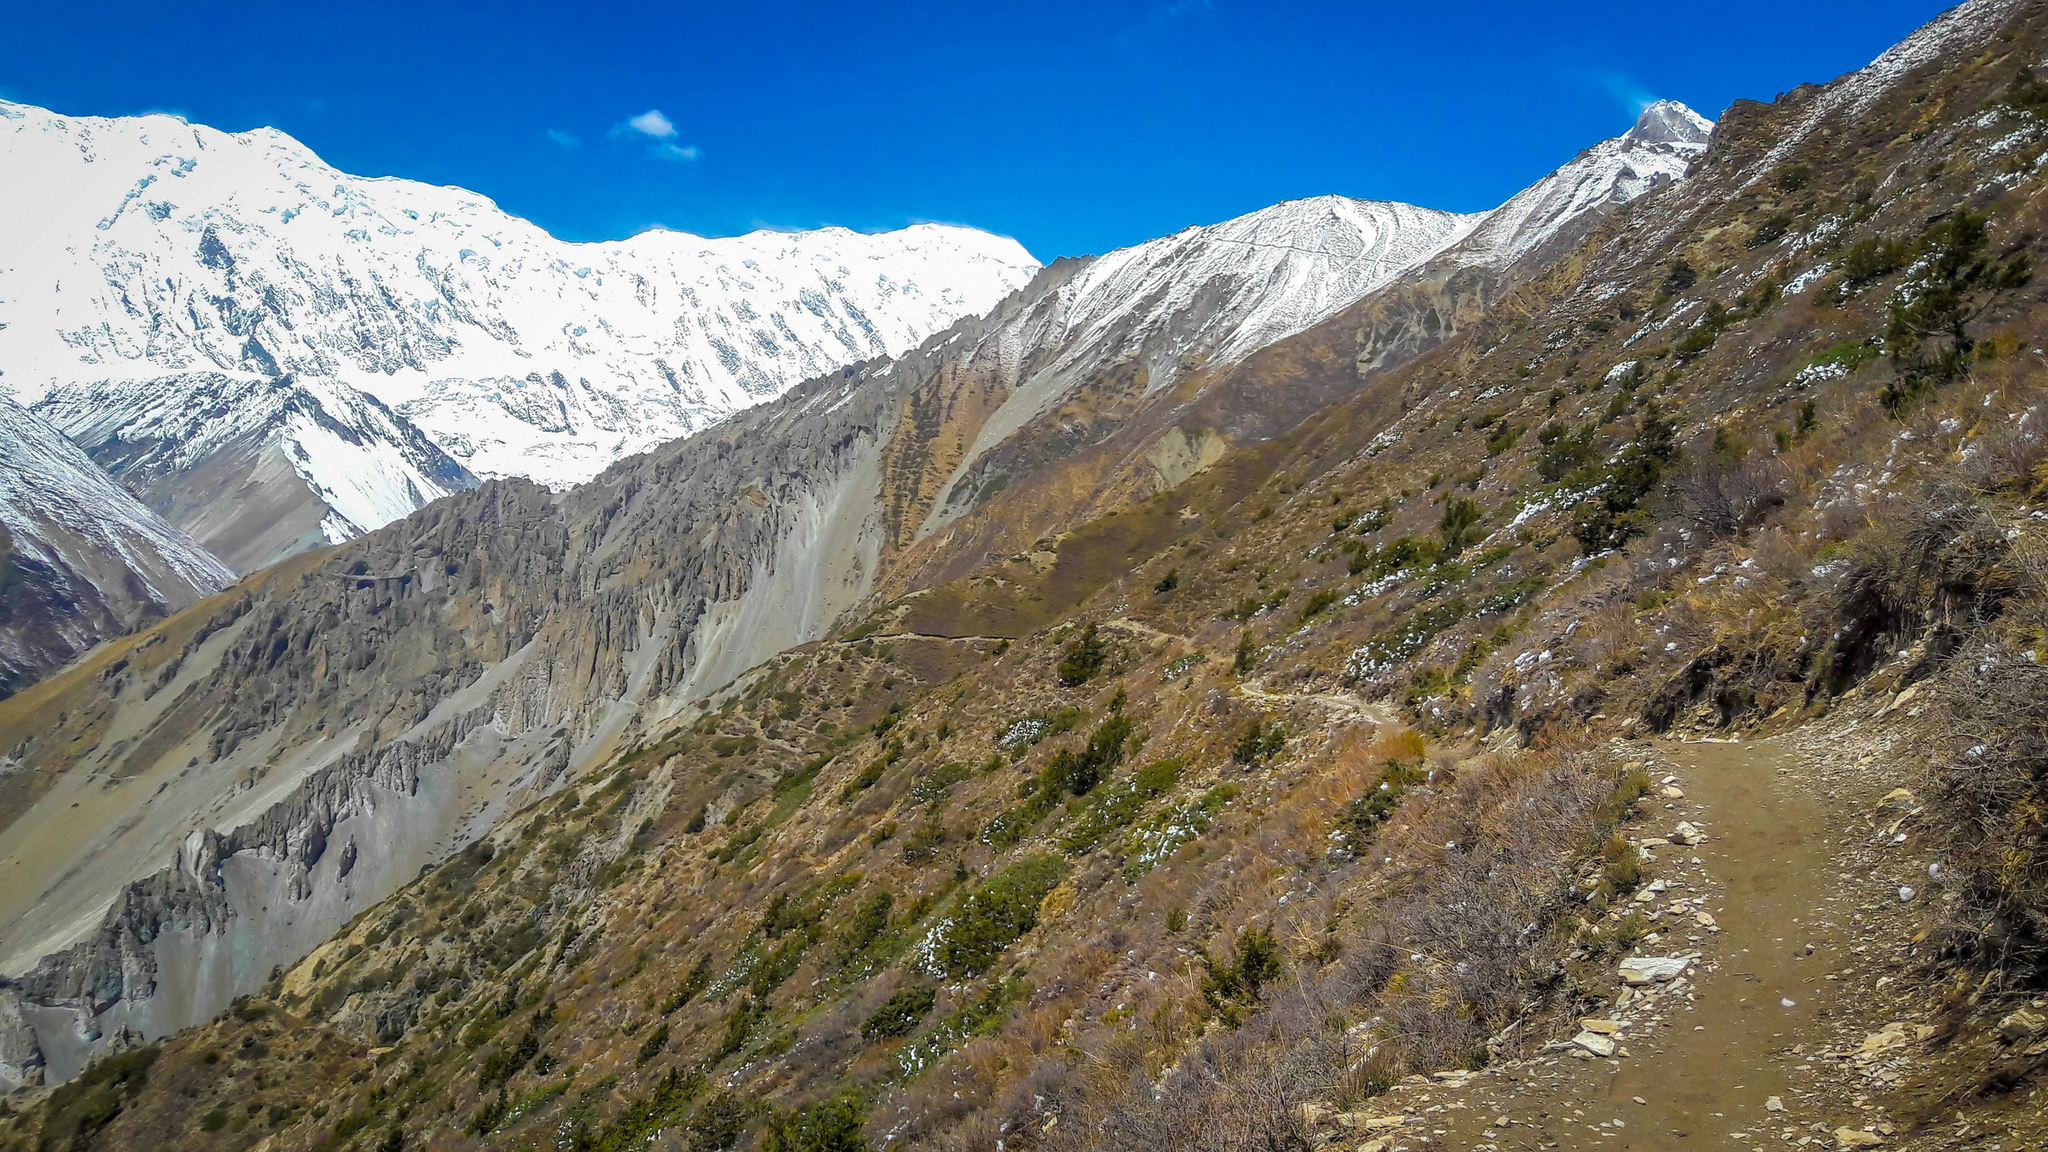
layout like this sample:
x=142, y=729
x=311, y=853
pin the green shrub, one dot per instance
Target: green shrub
x=1458, y=527
x=1231, y=987
x=504, y=1062
x=1082, y=658
x=1770, y=231
x=832, y=1125
x=899, y=1015
x=1693, y=344
x=1259, y=743
x=925, y=840
x=1615, y=516
x=78, y=1110
x=655, y=1044
x=1114, y=808
x=1247, y=654
x=1680, y=277
x=1564, y=451
x=1953, y=284
x=781, y=962
x=1166, y=831
x=718, y=1123
x=698, y=979
x=863, y=928
x=1168, y=582
x=1359, y=821
x=991, y=918
x=939, y=783
x=738, y=1027
x=1078, y=771
x=1864, y=263
x=1387, y=559
x=1320, y=602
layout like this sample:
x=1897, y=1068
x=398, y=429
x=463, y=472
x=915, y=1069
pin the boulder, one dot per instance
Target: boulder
x=1856, y=1138
x=1636, y=971
x=2021, y=1026
x=1686, y=834
x=1595, y=1043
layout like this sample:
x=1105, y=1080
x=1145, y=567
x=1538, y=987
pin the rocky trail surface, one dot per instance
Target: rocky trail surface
x=1786, y=1011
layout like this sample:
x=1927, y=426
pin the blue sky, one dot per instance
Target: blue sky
x=1075, y=127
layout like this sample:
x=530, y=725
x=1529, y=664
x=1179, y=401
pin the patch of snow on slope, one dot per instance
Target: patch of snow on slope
x=57, y=503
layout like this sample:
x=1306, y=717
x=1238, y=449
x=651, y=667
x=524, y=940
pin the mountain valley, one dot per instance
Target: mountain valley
x=1281, y=685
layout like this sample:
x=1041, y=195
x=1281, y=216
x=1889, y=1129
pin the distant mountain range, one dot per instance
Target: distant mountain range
x=183, y=289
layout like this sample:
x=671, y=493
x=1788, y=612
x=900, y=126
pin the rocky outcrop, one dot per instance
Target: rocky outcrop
x=455, y=662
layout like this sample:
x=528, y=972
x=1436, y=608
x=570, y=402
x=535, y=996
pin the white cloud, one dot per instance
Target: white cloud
x=659, y=133
x=565, y=139
x=652, y=123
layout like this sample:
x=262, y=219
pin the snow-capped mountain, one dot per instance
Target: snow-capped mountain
x=1557, y=209
x=1249, y=281
x=1210, y=297
x=164, y=251
x=256, y=468
x=1205, y=297
x=80, y=558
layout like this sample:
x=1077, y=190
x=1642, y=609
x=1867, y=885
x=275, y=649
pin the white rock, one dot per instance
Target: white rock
x=1595, y=1043
x=1637, y=971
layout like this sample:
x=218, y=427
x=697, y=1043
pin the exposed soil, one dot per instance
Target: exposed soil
x=1804, y=1022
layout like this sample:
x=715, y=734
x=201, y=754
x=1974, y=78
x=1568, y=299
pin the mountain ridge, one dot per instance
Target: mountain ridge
x=80, y=558
x=1252, y=810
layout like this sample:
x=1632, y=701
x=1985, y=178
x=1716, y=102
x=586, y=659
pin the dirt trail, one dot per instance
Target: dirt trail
x=1338, y=702
x=1701, y=1060
x=1711, y=1069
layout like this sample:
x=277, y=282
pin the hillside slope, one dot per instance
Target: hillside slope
x=507, y=637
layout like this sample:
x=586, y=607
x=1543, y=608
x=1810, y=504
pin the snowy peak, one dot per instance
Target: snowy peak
x=162, y=248
x=1558, y=210
x=1670, y=122
x=1202, y=299
x=1251, y=280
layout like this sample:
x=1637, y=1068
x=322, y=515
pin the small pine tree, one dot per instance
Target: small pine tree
x=1458, y=527
x=1955, y=282
x=1082, y=659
